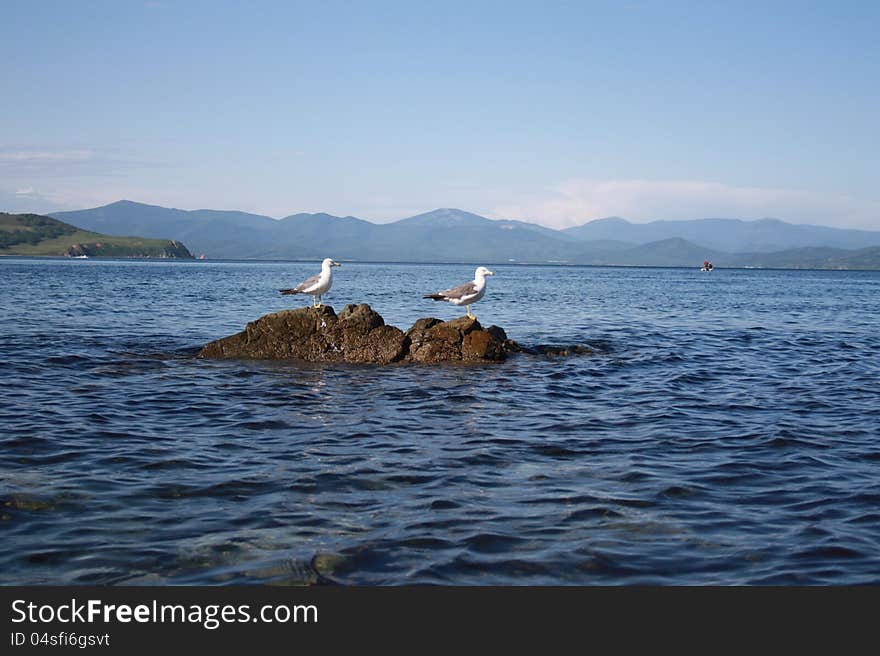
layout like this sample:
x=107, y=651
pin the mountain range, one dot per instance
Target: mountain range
x=452, y=235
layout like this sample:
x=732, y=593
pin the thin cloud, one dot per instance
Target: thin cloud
x=29, y=199
x=36, y=163
x=25, y=156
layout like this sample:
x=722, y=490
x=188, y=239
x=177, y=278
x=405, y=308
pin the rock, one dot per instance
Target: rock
x=481, y=345
x=423, y=324
x=463, y=325
x=359, y=335
x=381, y=345
x=361, y=317
x=462, y=339
x=508, y=344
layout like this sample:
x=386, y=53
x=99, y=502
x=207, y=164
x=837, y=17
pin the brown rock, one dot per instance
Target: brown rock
x=498, y=333
x=421, y=347
x=423, y=324
x=361, y=318
x=481, y=345
x=381, y=345
x=432, y=340
x=435, y=347
x=464, y=325
x=359, y=335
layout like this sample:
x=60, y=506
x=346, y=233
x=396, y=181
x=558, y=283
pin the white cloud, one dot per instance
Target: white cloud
x=37, y=164
x=28, y=155
x=576, y=201
x=29, y=199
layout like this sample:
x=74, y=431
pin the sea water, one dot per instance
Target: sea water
x=725, y=430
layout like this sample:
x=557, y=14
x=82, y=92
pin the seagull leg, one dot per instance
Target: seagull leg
x=470, y=316
x=320, y=301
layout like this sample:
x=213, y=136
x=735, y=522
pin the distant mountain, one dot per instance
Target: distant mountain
x=441, y=235
x=815, y=258
x=234, y=234
x=314, y=235
x=665, y=252
x=453, y=235
x=729, y=235
x=33, y=234
x=446, y=218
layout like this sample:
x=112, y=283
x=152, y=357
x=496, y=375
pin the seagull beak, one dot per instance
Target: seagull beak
x=336, y=263
x=490, y=273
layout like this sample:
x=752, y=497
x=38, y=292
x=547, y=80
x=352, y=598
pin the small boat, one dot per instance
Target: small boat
x=79, y=257
x=707, y=266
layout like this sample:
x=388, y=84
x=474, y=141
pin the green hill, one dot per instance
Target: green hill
x=33, y=234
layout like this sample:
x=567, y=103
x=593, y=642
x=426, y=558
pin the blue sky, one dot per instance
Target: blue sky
x=556, y=113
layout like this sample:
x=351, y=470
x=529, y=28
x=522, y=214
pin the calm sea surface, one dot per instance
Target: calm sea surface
x=726, y=431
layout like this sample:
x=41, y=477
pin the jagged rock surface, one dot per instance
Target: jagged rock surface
x=359, y=335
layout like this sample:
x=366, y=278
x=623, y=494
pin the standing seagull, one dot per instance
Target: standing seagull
x=466, y=294
x=317, y=285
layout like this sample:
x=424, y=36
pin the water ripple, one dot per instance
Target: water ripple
x=722, y=431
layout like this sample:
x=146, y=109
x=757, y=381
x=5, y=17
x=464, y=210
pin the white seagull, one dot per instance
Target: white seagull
x=466, y=294
x=317, y=285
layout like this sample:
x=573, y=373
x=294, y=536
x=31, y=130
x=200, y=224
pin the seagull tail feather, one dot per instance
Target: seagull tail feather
x=436, y=297
x=289, y=291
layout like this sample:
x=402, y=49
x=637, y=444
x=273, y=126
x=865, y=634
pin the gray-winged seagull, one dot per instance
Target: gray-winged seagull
x=466, y=294
x=317, y=285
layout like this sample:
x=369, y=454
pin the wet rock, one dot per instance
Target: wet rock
x=462, y=339
x=508, y=345
x=359, y=335
x=360, y=317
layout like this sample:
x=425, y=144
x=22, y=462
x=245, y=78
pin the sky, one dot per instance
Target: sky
x=551, y=112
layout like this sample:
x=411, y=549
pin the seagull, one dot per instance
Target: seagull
x=317, y=285
x=466, y=294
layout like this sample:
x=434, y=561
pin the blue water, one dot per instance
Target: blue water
x=725, y=431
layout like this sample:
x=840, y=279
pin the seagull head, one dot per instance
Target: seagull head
x=329, y=262
x=483, y=272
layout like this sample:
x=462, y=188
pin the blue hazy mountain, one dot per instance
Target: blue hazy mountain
x=729, y=235
x=225, y=233
x=453, y=235
x=441, y=235
x=814, y=258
